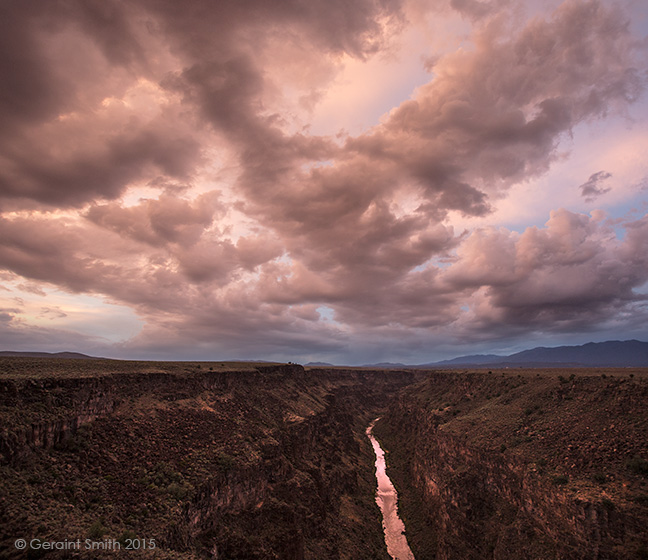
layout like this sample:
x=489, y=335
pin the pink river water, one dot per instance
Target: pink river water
x=387, y=500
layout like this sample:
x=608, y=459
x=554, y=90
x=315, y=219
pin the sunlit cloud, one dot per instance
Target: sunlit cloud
x=383, y=180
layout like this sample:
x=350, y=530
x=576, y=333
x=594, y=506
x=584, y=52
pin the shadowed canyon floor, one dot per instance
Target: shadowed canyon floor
x=260, y=461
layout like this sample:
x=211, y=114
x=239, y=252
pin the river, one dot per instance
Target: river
x=387, y=500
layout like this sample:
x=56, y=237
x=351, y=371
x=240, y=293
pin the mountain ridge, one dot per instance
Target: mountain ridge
x=611, y=353
x=64, y=355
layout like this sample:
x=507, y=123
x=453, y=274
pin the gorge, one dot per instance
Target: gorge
x=240, y=460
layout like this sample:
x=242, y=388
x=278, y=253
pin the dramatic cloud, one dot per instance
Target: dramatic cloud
x=572, y=274
x=158, y=157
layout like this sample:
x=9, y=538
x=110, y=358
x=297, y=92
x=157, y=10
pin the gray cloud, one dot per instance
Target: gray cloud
x=571, y=275
x=357, y=224
x=167, y=219
x=591, y=189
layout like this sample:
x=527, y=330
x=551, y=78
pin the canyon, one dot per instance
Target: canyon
x=208, y=460
x=217, y=460
x=522, y=464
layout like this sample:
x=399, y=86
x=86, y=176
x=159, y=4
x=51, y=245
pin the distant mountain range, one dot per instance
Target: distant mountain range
x=67, y=355
x=613, y=353
x=388, y=365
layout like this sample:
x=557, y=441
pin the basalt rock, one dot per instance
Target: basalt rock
x=262, y=462
x=492, y=467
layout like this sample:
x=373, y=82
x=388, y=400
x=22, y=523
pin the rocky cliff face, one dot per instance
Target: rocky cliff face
x=44, y=411
x=264, y=461
x=256, y=461
x=316, y=468
x=497, y=467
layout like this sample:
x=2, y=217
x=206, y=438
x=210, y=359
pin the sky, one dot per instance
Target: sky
x=348, y=182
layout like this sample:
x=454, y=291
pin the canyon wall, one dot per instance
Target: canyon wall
x=509, y=466
x=270, y=461
x=260, y=462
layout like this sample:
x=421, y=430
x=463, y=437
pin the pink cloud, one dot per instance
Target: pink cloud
x=573, y=272
x=250, y=223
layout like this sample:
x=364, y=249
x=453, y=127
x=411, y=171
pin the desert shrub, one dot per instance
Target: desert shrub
x=528, y=411
x=97, y=530
x=164, y=474
x=179, y=491
x=225, y=462
x=176, y=490
x=638, y=465
x=126, y=535
x=502, y=448
x=560, y=479
x=600, y=478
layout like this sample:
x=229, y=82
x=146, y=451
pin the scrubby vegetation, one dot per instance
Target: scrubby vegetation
x=258, y=462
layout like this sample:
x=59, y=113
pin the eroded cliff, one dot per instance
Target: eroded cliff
x=209, y=460
x=509, y=465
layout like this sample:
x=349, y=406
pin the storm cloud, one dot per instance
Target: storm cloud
x=159, y=156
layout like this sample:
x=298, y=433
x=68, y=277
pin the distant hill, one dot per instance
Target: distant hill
x=66, y=355
x=318, y=364
x=613, y=353
x=386, y=365
x=476, y=359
